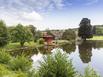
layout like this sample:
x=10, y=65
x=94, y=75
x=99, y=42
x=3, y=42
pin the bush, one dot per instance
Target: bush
x=89, y=72
x=20, y=63
x=4, y=57
x=56, y=65
x=69, y=34
x=3, y=70
x=41, y=41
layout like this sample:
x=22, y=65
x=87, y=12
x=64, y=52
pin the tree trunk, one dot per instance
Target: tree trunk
x=22, y=44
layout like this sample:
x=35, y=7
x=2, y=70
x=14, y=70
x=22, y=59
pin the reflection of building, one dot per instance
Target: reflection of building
x=85, y=51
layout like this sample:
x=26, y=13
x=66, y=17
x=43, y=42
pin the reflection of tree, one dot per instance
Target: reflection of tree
x=69, y=47
x=45, y=49
x=85, y=51
x=26, y=51
x=97, y=44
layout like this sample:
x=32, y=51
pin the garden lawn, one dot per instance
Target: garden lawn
x=17, y=45
x=96, y=38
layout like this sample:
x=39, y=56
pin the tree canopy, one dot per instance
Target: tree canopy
x=85, y=29
x=3, y=34
x=32, y=29
x=69, y=34
x=20, y=34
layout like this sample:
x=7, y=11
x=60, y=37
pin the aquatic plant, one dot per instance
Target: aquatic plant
x=90, y=72
x=20, y=63
x=57, y=65
x=5, y=57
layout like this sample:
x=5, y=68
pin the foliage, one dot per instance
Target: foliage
x=56, y=65
x=69, y=34
x=41, y=41
x=38, y=35
x=21, y=34
x=99, y=31
x=5, y=72
x=32, y=30
x=49, y=32
x=85, y=29
x=89, y=72
x=3, y=34
x=4, y=57
x=69, y=48
x=20, y=63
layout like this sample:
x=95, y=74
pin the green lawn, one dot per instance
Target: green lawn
x=17, y=45
x=96, y=38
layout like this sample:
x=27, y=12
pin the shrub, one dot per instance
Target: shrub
x=20, y=63
x=4, y=57
x=69, y=34
x=3, y=70
x=89, y=72
x=41, y=41
x=56, y=65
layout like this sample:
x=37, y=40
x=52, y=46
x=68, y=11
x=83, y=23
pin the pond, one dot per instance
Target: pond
x=82, y=55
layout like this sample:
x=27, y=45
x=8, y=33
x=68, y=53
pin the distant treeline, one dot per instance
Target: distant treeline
x=98, y=29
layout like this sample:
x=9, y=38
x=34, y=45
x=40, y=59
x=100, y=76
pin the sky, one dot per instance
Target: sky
x=51, y=14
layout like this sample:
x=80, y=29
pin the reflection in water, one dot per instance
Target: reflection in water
x=45, y=49
x=97, y=44
x=39, y=57
x=36, y=57
x=55, y=50
x=69, y=47
x=26, y=51
x=85, y=51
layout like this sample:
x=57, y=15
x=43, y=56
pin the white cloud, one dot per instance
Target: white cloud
x=32, y=16
x=14, y=17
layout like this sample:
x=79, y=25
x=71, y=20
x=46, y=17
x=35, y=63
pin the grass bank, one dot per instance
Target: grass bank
x=96, y=38
x=16, y=45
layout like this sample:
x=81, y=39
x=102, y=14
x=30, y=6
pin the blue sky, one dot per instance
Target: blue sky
x=52, y=14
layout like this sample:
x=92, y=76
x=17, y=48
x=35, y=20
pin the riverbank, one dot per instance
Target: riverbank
x=32, y=44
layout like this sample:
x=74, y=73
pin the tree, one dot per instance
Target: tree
x=69, y=34
x=85, y=29
x=21, y=34
x=38, y=35
x=3, y=34
x=33, y=30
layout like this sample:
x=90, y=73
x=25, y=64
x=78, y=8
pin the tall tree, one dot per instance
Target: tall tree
x=32, y=30
x=21, y=34
x=3, y=34
x=85, y=29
